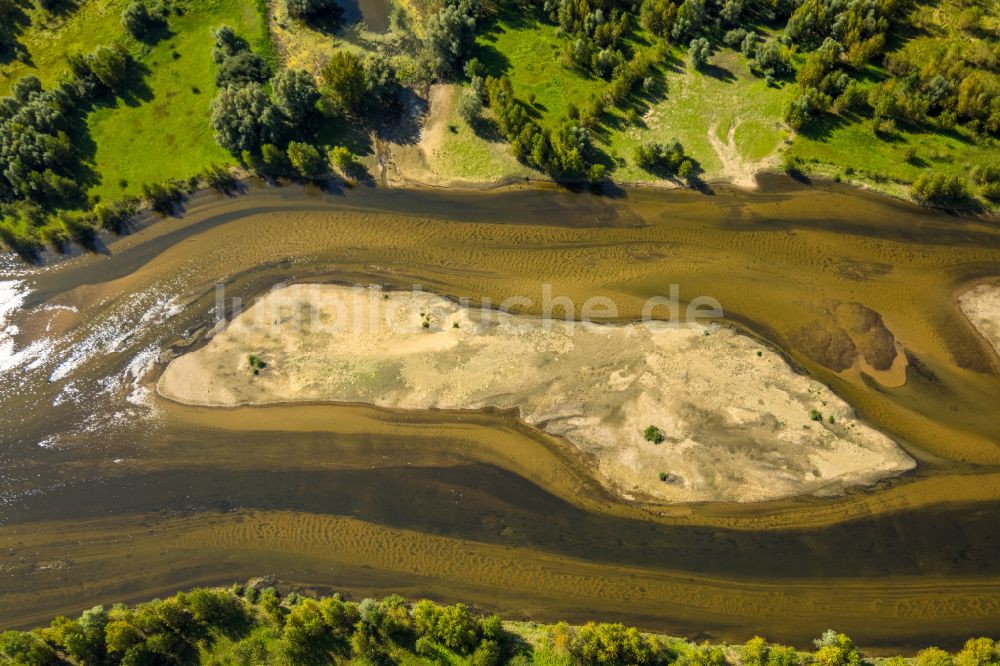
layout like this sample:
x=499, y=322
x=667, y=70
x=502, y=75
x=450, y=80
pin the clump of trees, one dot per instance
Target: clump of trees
x=565, y=153
x=248, y=624
x=667, y=159
x=260, y=627
x=40, y=168
x=351, y=84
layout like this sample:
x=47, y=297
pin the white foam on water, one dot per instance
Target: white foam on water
x=113, y=334
x=12, y=296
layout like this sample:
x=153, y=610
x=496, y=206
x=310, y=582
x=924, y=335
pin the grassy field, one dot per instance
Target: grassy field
x=850, y=149
x=162, y=130
x=731, y=121
x=727, y=119
x=701, y=104
x=460, y=152
x=168, y=134
x=530, y=53
x=691, y=103
x=49, y=38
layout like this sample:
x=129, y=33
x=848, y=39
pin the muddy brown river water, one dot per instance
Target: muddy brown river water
x=108, y=492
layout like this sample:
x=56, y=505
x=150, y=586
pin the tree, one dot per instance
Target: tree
x=699, y=51
x=242, y=67
x=295, y=94
x=835, y=649
x=380, y=81
x=470, y=107
x=344, y=83
x=139, y=20
x=933, y=656
x=109, y=64
x=306, y=160
x=978, y=652
x=245, y=119
x=690, y=17
x=449, y=35
x=456, y=629
x=342, y=158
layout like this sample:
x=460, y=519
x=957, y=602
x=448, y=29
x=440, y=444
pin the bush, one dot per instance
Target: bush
x=607, y=644
x=939, y=188
x=653, y=434
x=163, y=197
x=116, y=216
x=657, y=157
x=244, y=118
x=242, y=68
x=597, y=174
x=344, y=82
x=273, y=160
x=470, y=107
x=219, y=178
x=306, y=160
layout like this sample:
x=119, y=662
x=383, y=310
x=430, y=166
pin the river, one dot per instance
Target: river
x=108, y=492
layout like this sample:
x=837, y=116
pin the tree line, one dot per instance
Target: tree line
x=253, y=624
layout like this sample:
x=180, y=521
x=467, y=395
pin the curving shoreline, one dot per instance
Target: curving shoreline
x=981, y=306
x=738, y=423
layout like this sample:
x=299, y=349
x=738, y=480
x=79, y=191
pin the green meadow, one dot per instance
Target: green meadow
x=161, y=130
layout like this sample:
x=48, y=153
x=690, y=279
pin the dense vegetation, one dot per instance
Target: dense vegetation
x=898, y=91
x=250, y=625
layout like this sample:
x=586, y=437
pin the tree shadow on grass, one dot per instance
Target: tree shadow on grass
x=496, y=63
x=820, y=128
x=134, y=90
x=353, y=138
x=487, y=130
x=62, y=7
x=156, y=33
x=13, y=24
x=717, y=72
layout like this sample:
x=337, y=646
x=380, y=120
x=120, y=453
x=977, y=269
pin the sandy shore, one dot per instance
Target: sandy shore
x=981, y=305
x=737, y=422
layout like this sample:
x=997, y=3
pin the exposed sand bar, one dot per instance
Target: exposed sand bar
x=981, y=305
x=736, y=419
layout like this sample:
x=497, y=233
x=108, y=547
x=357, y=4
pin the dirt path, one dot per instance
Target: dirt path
x=740, y=172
